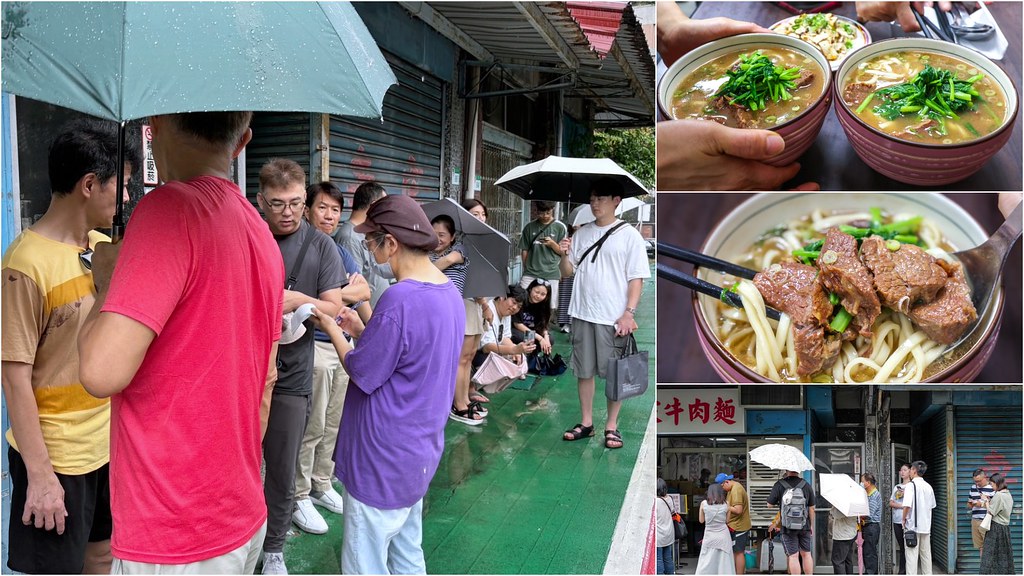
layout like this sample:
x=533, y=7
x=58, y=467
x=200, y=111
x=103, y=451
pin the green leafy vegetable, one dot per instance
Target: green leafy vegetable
x=933, y=93
x=756, y=80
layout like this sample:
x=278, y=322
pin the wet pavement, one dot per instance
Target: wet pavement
x=510, y=496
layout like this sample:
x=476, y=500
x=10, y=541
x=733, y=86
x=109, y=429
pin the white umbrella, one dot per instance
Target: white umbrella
x=562, y=179
x=781, y=457
x=845, y=494
x=581, y=215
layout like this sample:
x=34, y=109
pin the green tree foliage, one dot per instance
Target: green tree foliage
x=633, y=149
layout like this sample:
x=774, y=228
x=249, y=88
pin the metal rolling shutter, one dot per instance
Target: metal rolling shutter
x=989, y=438
x=935, y=456
x=402, y=153
x=275, y=135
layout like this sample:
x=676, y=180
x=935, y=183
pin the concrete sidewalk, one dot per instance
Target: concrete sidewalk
x=511, y=497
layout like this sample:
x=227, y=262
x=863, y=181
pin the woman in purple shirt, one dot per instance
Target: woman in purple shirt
x=402, y=369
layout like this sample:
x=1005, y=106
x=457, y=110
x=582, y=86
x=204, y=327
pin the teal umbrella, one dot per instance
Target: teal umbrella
x=127, y=60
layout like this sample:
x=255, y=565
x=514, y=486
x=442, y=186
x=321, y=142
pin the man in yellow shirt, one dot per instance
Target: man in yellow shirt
x=739, y=517
x=59, y=434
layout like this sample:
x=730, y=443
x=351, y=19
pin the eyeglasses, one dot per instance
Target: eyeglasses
x=375, y=241
x=277, y=206
x=86, y=259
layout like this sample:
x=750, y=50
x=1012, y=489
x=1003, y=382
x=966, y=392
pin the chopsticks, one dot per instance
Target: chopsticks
x=703, y=286
x=941, y=32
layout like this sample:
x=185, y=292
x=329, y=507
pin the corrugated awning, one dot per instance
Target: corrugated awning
x=601, y=42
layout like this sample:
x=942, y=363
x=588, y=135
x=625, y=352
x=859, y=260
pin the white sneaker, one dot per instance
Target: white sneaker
x=330, y=500
x=307, y=518
x=273, y=563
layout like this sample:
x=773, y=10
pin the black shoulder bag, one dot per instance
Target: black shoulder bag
x=297, y=266
x=910, y=536
x=596, y=246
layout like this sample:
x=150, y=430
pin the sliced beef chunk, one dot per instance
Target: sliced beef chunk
x=742, y=117
x=814, y=352
x=794, y=289
x=805, y=78
x=842, y=272
x=918, y=129
x=945, y=318
x=903, y=276
x=855, y=93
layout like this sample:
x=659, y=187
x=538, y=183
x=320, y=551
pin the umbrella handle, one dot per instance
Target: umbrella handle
x=117, y=228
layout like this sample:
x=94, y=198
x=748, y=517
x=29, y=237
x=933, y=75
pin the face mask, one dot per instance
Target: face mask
x=385, y=270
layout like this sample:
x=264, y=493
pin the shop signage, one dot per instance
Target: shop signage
x=149, y=175
x=700, y=411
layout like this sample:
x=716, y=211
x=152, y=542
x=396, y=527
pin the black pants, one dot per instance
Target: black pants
x=286, y=426
x=871, y=533
x=897, y=530
x=898, y=533
x=844, y=556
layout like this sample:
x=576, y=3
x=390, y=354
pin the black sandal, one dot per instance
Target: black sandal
x=578, y=432
x=612, y=436
x=467, y=416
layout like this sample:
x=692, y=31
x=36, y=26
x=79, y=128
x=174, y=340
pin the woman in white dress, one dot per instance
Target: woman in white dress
x=716, y=548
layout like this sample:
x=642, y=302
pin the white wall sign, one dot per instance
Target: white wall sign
x=149, y=175
x=703, y=411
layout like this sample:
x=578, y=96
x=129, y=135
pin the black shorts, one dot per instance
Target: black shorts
x=39, y=551
x=740, y=541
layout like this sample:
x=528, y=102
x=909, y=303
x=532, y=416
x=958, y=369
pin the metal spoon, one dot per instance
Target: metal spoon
x=969, y=31
x=983, y=267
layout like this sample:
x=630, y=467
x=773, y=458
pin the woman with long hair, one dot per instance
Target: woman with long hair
x=896, y=504
x=997, y=553
x=534, y=315
x=665, y=538
x=716, y=548
x=478, y=318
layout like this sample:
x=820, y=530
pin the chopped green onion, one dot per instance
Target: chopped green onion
x=833, y=298
x=829, y=257
x=892, y=245
x=876, y=216
x=841, y=321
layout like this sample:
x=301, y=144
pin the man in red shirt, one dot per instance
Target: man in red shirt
x=187, y=316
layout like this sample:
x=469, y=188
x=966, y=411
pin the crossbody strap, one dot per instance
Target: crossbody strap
x=297, y=265
x=542, y=230
x=596, y=246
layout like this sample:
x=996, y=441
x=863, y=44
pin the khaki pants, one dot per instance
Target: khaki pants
x=977, y=536
x=316, y=456
x=919, y=558
x=241, y=560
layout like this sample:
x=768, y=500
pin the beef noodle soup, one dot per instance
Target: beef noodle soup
x=750, y=88
x=925, y=97
x=865, y=297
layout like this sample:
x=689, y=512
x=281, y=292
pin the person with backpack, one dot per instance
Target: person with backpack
x=795, y=498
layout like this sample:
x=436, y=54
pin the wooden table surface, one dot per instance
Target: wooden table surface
x=831, y=161
x=686, y=220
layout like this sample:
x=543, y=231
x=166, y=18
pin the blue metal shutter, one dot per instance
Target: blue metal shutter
x=403, y=153
x=276, y=135
x=988, y=438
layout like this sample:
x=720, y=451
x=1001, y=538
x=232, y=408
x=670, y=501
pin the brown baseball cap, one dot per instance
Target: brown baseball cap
x=402, y=217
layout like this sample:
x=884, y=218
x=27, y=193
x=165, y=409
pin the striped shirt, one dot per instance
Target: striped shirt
x=875, y=506
x=456, y=272
x=979, y=512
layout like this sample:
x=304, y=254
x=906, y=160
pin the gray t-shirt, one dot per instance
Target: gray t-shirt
x=352, y=241
x=322, y=270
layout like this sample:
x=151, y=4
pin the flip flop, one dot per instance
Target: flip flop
x=478, y=397
x=578, y=432
x=612, y=436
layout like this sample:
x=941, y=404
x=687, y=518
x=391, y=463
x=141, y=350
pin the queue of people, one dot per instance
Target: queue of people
x=149, y=379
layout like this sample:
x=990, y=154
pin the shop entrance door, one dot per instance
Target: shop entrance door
x=831, y=458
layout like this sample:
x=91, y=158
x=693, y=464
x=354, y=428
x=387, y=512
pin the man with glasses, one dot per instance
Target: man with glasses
x=610, y=262
x=314, y=275
x=59, y=435
x=541, y=253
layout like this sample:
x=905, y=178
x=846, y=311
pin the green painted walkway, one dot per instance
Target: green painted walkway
x=510, y=496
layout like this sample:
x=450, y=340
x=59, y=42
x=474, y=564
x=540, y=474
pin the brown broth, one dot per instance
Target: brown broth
x=693, y=96
x=900, y=67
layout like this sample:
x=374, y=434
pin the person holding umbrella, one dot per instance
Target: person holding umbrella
x=185, y=327
x=871, y=525
x=610, y=263
x=59, y=436
x=844, y=542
